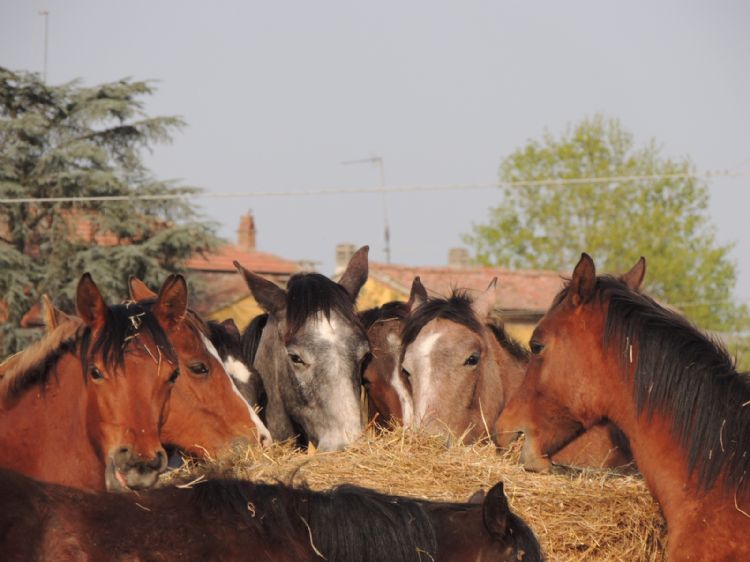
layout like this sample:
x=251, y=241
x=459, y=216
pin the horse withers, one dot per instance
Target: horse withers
x=310, y=354
x=606, y=351
x=235, y=521
x=83, y=406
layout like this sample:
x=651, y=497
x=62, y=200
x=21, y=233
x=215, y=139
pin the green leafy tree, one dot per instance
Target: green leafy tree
x=75, y=141
x=547, y=226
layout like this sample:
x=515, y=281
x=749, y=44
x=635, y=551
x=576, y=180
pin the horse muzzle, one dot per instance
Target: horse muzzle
x=128, y=471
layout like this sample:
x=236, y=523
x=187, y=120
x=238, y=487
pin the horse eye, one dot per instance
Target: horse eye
x=198, y=368
x=296, y=359
x=536, y=347
x=472, y=360
x=96, y=374
x=174, y=375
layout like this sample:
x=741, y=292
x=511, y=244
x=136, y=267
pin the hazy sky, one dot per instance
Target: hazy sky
x=277, y=94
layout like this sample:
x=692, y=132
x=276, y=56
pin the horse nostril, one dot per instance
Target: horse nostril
x=265, y=440
x=160, y=460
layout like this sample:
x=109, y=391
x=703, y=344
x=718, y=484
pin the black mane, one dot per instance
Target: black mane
x=345, y=523
x=309, y=294
x=394, y=310
x=250, y=338
x=456, y=308
x=514, y=348
x=682, y=371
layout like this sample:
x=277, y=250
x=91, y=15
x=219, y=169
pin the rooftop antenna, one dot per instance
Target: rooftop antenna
x=386, y=230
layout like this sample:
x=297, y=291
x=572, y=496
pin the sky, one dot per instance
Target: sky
x=277, y=94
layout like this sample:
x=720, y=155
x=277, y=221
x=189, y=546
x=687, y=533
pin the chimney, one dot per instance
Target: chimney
x=458, y=258
x=344, y=253
x=246, y=233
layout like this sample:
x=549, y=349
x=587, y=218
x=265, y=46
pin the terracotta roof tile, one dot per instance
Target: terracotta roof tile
x=516, y=290
x=257, y=262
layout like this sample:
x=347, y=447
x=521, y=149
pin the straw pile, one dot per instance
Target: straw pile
x=577, y=515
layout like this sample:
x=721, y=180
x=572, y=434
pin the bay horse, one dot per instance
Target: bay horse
x=83, y=406
x=234, y=520
x=463, y=367
x=604, y=350
x=207, y=414
x=310, y=353
x=388, y=396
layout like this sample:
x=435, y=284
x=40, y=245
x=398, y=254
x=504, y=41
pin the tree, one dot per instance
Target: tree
x=547, y=226
x=75, y=141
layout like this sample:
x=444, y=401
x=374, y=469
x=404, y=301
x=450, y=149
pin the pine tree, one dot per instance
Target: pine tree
x=76, y=141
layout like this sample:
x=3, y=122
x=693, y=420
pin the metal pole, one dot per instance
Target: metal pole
x=45, y=13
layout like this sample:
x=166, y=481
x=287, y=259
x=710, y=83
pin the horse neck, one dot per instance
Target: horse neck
x=43, y=432
x=663, y=463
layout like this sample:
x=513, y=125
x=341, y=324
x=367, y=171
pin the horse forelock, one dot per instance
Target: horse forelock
x=456, y=308
x=311, y=294
x=124, y=327
x=33, y=364
x=342, y=524
x=394, y=310
x=682, y=372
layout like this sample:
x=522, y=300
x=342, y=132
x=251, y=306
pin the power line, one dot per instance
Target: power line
x=370, y=190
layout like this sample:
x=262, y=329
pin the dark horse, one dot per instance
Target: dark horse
x=84, y=405
x=310, y=354
x=606, y=351
x=232, y=520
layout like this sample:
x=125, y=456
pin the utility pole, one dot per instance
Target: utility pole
x=386, y=229
x=45, y=13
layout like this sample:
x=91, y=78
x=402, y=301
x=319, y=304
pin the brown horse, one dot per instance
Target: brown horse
x=606, y=351
x=461, y=370
x=207, y=414
x=388, y=396
x=232, y=520
x=84, y=405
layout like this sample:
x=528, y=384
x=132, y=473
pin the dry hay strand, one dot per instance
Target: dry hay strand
x=577, y=515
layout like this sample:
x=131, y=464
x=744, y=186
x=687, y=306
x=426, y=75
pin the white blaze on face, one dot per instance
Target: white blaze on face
x=343, y=405
x=237, y=369
x=418, y=357
x=404, y=397
x=264, y=436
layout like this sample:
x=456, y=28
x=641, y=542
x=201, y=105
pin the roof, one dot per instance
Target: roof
x=221, y=260
x=529, y=290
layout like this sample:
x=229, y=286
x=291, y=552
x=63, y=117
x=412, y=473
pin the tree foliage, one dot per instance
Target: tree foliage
x=547, y=226
x=76, y=141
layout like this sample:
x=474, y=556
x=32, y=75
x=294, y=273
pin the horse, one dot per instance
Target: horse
x=388, y=397
x=463, y=367
x=207, y=414
x=83, y=406
x=605, y=350
x=310, y=353
x=234, y=520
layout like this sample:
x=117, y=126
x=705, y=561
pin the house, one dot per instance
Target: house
x=522, y=296
x=225, y=293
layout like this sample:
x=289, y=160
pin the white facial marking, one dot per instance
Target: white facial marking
x=404, y=397
x=237, y=369
x=326, y=328
x=264, y=435
x=421, y=357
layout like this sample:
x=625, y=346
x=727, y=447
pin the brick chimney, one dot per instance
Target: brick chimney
x=246, y=232
x=458, y=258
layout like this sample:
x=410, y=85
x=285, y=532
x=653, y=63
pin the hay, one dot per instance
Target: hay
x=577, y=515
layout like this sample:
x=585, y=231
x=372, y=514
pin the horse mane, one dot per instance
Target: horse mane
x=681, y=370
x=456, y=308
x=394, y=310
x=32, y=364
x=344, y=523
x=225, y=343
x=513, y=347
x=250, y=339
x=309, y=294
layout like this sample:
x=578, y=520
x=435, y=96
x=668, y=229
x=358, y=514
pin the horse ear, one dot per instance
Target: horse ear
x=356, y=272
x=634, y=277
x=171, y=302
x=495, y=511
x=231, y=328
x=477, y=497
x=139, y=291
x=418, y=294
x=89, y=302
x=52, y=315
x=270, y=297
x=485, y=302
x=584, y=280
